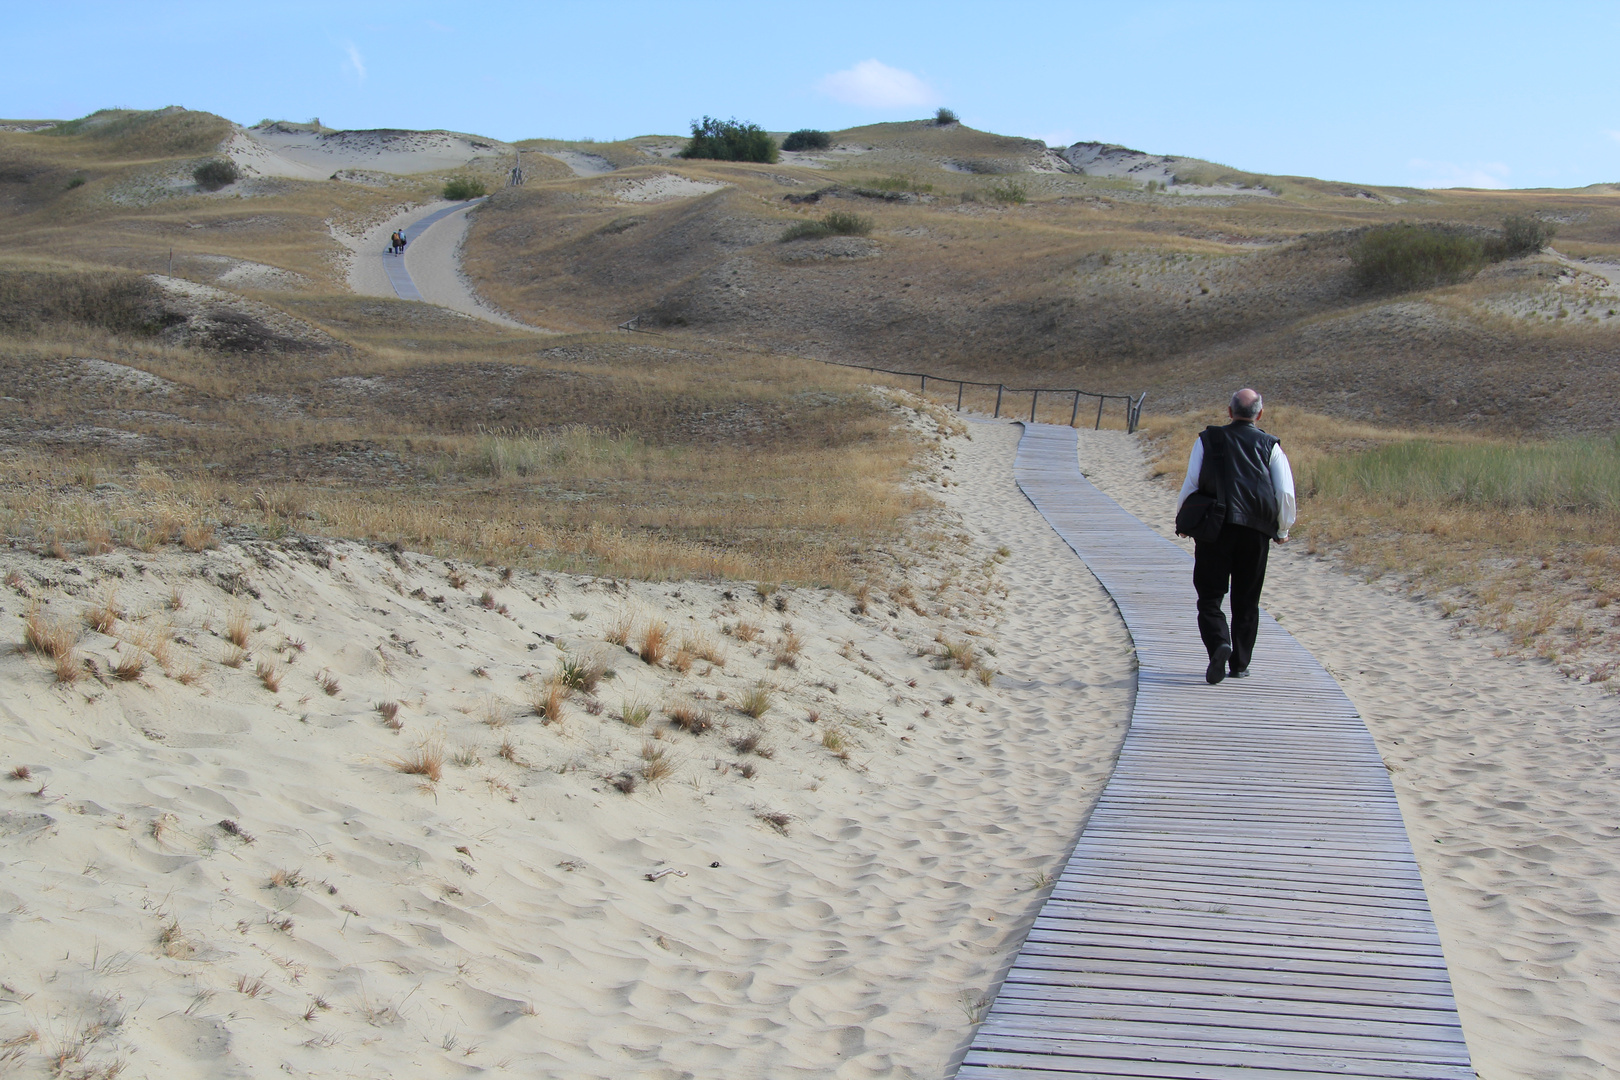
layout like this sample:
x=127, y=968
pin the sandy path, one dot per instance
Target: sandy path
x=1507, y=778
x=432, y=257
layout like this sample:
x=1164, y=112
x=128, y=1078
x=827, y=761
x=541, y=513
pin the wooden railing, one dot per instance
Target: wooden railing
x=1133, y=405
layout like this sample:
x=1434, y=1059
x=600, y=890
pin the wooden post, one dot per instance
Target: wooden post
x=1074, y=413
x=1034, y=398
x=1101, y=401
x=171, y=262
x=999, y=389
x=923, y=389
x=959, y=385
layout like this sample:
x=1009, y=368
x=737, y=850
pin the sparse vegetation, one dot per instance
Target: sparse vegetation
x=729, y=140
x=689, y=717
x=1009, y=192
x=634, y=712
x=944, y=116
x=654, y=642
x=837, y=223
x=461, y=188
x=656, y=764
x=807, y=139
x=756, y=700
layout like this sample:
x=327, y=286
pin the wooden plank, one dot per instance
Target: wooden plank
x=1244, y=901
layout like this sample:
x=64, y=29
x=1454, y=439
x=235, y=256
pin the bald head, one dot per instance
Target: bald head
x=1245, y=405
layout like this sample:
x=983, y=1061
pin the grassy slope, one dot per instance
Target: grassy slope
x=1092, y=282
x=313, y=410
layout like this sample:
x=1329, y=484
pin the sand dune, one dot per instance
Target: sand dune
x=203, y=877
x=301, y=152
x=1505, y=772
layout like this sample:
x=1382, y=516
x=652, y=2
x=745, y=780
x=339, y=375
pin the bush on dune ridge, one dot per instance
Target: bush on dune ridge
x=459, y=188
x=729, y=140
x=807, y=139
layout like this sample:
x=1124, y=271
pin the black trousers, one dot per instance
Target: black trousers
x=1235, y=559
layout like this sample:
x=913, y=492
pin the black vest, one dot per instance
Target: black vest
x=1245, y=452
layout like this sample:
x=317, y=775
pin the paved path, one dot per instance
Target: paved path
x=1243, y=901
x=399, y=276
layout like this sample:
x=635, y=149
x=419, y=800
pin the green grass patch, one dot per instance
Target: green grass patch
x=901, y=183
x=1568, y=474
x=837, y=223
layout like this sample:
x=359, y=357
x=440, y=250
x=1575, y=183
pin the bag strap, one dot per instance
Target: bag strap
x=1215, y=458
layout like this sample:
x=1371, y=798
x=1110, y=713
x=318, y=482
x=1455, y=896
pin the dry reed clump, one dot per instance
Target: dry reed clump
x=654, y=642
x=619, y=631
x=495, y=713
x=745, y=632
x=426, y=761
x=776, y=819
x=389, y=711
x=328, y=682
x=156, y=639
x=689, y=717
x=21, y=772
x=269, y=673
x=752, y=743
x=960, y=653
x=173, y=943
x=54, y=640
x=624, y=782
x=234, y=656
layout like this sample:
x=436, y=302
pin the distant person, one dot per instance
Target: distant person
x=1245, y=470
x=393, y=243
x=402, y=241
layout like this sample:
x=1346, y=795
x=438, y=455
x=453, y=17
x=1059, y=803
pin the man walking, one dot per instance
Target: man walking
x=1245, y=469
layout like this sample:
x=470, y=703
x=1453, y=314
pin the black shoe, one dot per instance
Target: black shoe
x=1237, y=673
x=1217, y=664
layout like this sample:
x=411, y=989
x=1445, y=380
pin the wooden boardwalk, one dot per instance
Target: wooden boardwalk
x=1243, y=901
x=400, y=277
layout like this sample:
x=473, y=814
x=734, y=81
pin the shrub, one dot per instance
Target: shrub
x=807, y=139
x=944, y=116
x=215, y=174
x=1406, y=256
x=77, y=181
x=1007, y=191
x=901, y=183
x=837, y=223
x=729, y=140
x=1521, y=235
x=458, y=188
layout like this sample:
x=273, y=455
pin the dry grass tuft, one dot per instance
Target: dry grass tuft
x=703, y=647
x=960, y=653
x=619, y=632
x=495, y=713
x=986, y=675
x=776, y=819
x=654, y=642
x=788, y=650
x=328, y=683
x=251, y=987
x=656, y=764
x=45, y=636
x=285, y=879
x=21, y=772
x=625, y=782
x=173, y=943
x=103, y=616
x=745, y=631
x=833, y=740
x=458, y=580
x=269, y=673
x=548, y=702
x=238, y=631
x=689, y=717
x=509, y=752
x=756, y=700
x=389, y=711
x=634, y=712
x=197, y=537
x=752, y=744
x=581, y=673
x=426, y=761
x=130, y=666
x=234, y=656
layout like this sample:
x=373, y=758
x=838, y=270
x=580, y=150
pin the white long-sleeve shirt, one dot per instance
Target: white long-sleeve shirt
x=1282, y=482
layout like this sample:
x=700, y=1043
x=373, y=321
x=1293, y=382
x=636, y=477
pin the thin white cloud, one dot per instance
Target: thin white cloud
x=876, y=85
x=1449, y=174
x=1615, y=135
x=356, y=63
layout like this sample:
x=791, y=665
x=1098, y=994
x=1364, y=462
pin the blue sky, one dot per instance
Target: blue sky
x=1420, y=93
